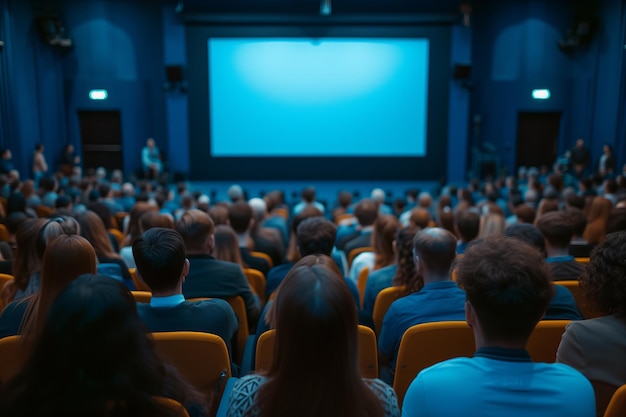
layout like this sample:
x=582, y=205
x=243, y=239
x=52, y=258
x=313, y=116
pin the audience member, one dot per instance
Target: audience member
x=506, y=297
x=434, y=251
x=151, y=160
x=578, y=246
x=596, y=346
x=94, y=358
x=562, y=305
x=308, y=199
x=241, y=220
x=65, y=258
x=557, y=229
x=209, y=277
x=109, y=262
x=467, y=225
x=312, y=308
x=161, y=263
x=401, y=273
x=265, y=240
x=366, y=213
x=597, y=217
x=227, y=245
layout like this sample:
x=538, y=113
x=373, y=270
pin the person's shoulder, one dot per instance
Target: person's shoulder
x=210, y=306
x=248, y=384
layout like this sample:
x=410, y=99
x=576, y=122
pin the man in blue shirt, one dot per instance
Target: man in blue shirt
x=434, y=250
x=508, y=290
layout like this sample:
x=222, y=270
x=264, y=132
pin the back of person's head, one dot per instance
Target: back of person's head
x=525, y=214
x=92, y=229
x=219, y=214
x=436, y=249
x=491, y=224
x=557, y=228
x=259, y=207
x=527, y=233
x=316, y=235
x=103, y=211
x=14, y=221
x=507, y=286
x=63, y=202
x=16, y=202
x=575, y=200
x=160, y=258
x=54, y=227
x=385, y=229
x=235, y=193
x=315, y=318
x=600, y=209
x=378, y=195
x=344, y=199
x=467, y=224
x=604, y=282
x=94, y=358
x=406, y=273
x=239, y=216
x=578, y=220
x=308, y=194
x=136, y=211
x=226, y=246
x=153, y=218
x=196, y=228
x=420, y=217
x=65, y=258
x=366, y=212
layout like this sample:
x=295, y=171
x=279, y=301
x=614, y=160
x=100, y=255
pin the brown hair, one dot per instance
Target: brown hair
x=384, y=233
x=196, y=227
x=315, y=318
x=599, y=212
x=65, y=258
x=136, y=212
x=406, y=274
x=226, y=245
x=92, y=229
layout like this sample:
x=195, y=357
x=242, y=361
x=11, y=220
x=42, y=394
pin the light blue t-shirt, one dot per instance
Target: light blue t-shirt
x=499, y=382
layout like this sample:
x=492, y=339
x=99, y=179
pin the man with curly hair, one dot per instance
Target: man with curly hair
x=597, y=347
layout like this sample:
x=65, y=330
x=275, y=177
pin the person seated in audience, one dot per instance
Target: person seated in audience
x=308, y=199
x=596, y=346
x=508, y=289
x=26, y=264
x=441, y=299
x=161, y=263
x=378, y=195
x=557, y=229
x=401, y=272
x=273, y=220
x=578, y=245
x=241, y=220
x=314, y=235
x=597, y=218
x=385, y=228
x=314, y=371
x=235, y=193
x=344, y=203
x=109, y=262
x=366, y=213
x=94, y=358
x=133, y=229
x=467, y=226
x=562, y=305
x=226, y=246
x=219, y=213
x=266, y=240
x=65, y=258
x=209, y=277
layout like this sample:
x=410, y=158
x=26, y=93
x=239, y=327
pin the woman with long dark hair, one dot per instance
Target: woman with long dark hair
x=94, y=358
x=314, y=371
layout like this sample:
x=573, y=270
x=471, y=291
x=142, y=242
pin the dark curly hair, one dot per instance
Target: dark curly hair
x=406, y=274
x=604, y=282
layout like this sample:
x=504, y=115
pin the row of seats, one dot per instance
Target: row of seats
x=203, y=358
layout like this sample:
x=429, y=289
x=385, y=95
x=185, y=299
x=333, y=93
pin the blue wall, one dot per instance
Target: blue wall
x=123, y=46
x=515, y=50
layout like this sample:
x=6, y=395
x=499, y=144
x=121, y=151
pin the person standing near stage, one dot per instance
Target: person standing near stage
x=151, y=160
x=579, y=157
x=40, y=167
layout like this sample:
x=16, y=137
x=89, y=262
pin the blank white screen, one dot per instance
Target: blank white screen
x=274, y=97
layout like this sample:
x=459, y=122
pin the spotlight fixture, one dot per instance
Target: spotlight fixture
x=326, y=7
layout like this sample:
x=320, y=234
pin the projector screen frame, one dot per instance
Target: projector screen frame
x=203, y=166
